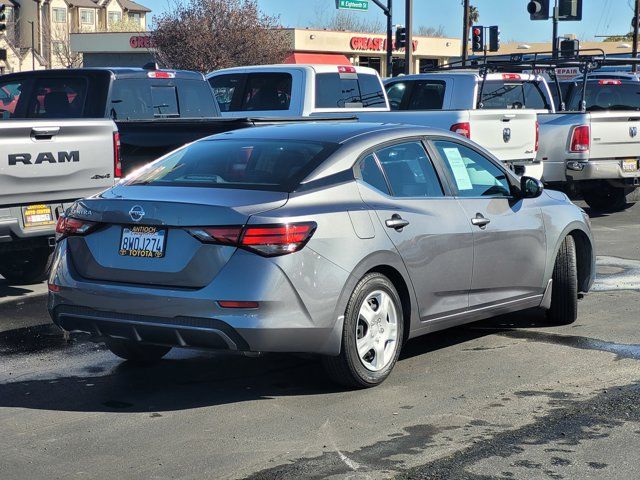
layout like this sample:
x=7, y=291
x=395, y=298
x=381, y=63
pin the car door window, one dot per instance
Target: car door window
x=409, y=171
x=427, y=95
x=58, y=98
x=267, y=91
x=371, y=174
x=396, y=92
x=473, y=174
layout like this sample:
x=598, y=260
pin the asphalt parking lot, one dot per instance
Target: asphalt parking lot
x=506, y=398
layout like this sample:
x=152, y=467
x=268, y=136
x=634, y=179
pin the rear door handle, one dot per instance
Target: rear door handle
x=480, y=221
x=396, y=222
x=44, y=133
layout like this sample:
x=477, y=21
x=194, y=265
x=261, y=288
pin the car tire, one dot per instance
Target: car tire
x=564, y=290
x=373, y=318
x=607, y=198
x=136, y=352
x=22, y=268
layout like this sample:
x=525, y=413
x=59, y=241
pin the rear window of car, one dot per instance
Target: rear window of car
x=349, y=91
x=253, y=91
x=606, y=95
x=256, y=164
x=145, y=99
x=507, y=94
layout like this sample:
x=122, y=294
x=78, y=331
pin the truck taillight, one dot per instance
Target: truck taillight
x=511, y=76
x=266, y=240
x=463, y=129
x=117, y=162
x=69, y=226
x=609, y=82
x=580, y=139
x=537, y=136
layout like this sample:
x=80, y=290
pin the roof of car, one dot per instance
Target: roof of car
x=338, y=131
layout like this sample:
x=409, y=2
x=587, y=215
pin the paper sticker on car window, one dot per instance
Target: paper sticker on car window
x=458, y=168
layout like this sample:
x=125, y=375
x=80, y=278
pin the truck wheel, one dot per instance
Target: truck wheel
x=136, y=352
x=372, y=335
x=30, y=266
x=607, y=198
x=564, y=290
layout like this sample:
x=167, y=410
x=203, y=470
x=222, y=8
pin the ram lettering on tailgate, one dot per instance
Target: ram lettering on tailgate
x=48, y=157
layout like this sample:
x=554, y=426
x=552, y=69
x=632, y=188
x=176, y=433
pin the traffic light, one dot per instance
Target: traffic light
x=569, y=48
x=401, y=37
x=494, y=39
x=477, y=38
x=570, y=10
x=3, y=17
x=538, y=9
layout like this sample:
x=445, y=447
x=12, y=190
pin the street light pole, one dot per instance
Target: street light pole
x=33, y=51
x=465, y=33
x=635, y=33
x=408, y=49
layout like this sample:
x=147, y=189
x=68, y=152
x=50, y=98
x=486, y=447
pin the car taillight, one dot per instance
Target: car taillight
x=580, y=139
x=69, y=226
x=266, y=240
x=609, y=82
x=463, y=129
x=117, y=163
x=537, y=136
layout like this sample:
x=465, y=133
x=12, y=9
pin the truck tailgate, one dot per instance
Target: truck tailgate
x=50, y=160
x=509, y=134
x=615, y=135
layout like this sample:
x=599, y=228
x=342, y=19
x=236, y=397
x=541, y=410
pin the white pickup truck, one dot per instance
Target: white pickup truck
x=297, y=90
x=447, y=101
x=498, y=112
x=593, y=150
x=46, y=162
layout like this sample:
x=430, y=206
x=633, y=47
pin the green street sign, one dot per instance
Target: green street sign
x=360, y=5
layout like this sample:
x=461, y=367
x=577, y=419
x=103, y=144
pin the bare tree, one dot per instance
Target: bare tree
x=344, y=21
x=61, y=53
x=431, y=31
x=207, y=35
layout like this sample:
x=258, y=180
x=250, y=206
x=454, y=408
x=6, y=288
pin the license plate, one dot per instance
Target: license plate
x=143, y=241
x=37, y=216
x=629, y=165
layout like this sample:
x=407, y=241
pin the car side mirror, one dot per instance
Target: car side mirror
x=531, y=187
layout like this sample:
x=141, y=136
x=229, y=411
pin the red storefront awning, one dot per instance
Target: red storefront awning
x=317, y=58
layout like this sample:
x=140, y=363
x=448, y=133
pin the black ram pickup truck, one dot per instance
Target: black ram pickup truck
x=155, y=111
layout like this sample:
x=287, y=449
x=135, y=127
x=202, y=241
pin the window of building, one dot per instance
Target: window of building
x=135, y=17
x=87, y=17
x=57, y=48
x=10, y=14
x=114, y=17
x=59, y=15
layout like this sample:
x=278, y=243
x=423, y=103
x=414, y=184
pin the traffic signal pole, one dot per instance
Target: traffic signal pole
x=408, y=50
x=388, y=11
x=465, y=33
x=556, y=20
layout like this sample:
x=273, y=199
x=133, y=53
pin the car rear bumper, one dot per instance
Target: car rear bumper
x=600, y=170
x=300, y=318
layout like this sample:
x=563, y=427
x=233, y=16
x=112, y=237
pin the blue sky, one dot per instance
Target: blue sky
x=601, y=17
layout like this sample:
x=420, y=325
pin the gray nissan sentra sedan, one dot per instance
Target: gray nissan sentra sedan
x=339, y=239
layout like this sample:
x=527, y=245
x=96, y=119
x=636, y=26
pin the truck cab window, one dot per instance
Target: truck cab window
x=500, y=94
x=58, y=98
x=267, y=91
x=165, y=101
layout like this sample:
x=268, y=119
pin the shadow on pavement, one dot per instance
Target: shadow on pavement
x=188, y=380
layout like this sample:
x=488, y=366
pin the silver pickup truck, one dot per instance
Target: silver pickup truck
x=592, y=150
x=45, y=164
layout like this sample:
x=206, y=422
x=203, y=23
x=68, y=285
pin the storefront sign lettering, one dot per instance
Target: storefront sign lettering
x=374, y=44
x=141, y=41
